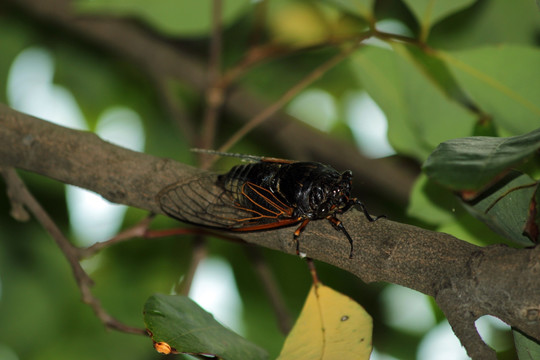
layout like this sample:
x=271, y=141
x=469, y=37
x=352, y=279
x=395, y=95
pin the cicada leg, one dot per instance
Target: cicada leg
x=297, y=233
x=338, y=225
x=359, y=204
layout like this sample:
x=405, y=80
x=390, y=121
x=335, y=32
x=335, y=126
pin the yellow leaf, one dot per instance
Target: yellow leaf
x=331, y=326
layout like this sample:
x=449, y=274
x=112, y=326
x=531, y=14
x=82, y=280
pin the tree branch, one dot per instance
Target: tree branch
x=467, y=281
x=22, y=196
x=287, y=96
x=161, y=60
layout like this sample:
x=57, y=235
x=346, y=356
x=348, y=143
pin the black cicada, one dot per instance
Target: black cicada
x=265, y=194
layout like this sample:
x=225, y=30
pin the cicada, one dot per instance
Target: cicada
x=266, y=193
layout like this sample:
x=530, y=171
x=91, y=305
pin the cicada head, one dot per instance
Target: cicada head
x=329, y=194
x=313, y=190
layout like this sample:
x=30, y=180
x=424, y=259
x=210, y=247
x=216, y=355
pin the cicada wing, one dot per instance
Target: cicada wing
x=243, y=157
x=262, y=203
x=199, y=201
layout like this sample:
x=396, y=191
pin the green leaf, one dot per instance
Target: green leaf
x=420, y=114
x=429, y=12
x=187, y=328
x=506, y=209
x=186, y=18
x=501, y=82
x=473, y=231
x=531, y=228
x=472, y=162
x=438, y=206
x=487, y=23
x=431, y=203
x=527, y=348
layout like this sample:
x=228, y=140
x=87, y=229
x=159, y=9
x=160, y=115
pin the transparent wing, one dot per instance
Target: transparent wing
x=200, y=201
x=243, y=157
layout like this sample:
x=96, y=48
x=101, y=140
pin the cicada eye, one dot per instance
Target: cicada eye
x=347, y=175
x=317, y=196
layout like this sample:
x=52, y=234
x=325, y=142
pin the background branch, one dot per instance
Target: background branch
x=215, y=93
x=287, y=96
x=462, y=278
x=130, y=41
x=84, y=282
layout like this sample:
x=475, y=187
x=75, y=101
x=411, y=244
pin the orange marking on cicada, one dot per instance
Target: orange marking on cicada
x=277, y=160
x=301, y=228
x=276, y=203
x=277, y=224
x=258, y=214
x=297, y=234
x=282, y=209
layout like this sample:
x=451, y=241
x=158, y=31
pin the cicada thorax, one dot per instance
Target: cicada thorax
x=260, y=173
x=315, y=189
x=299, y=190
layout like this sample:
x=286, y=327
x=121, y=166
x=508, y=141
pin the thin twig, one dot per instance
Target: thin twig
x=271, y=288
x=292, y=92
x=139, y=230
x=18, y=212
x=215, y=92
x=313, y=271
x=214, y=67
x=173, y=107
x=151, y=234
x=259, y=54
x=396, y=37
x=215, y=97
x=198, y=253
x=84, y=281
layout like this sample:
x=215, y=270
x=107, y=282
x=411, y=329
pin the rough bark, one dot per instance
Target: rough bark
x=467, y=281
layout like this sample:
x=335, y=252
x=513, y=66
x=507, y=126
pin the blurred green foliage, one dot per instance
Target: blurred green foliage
x=461, y=83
